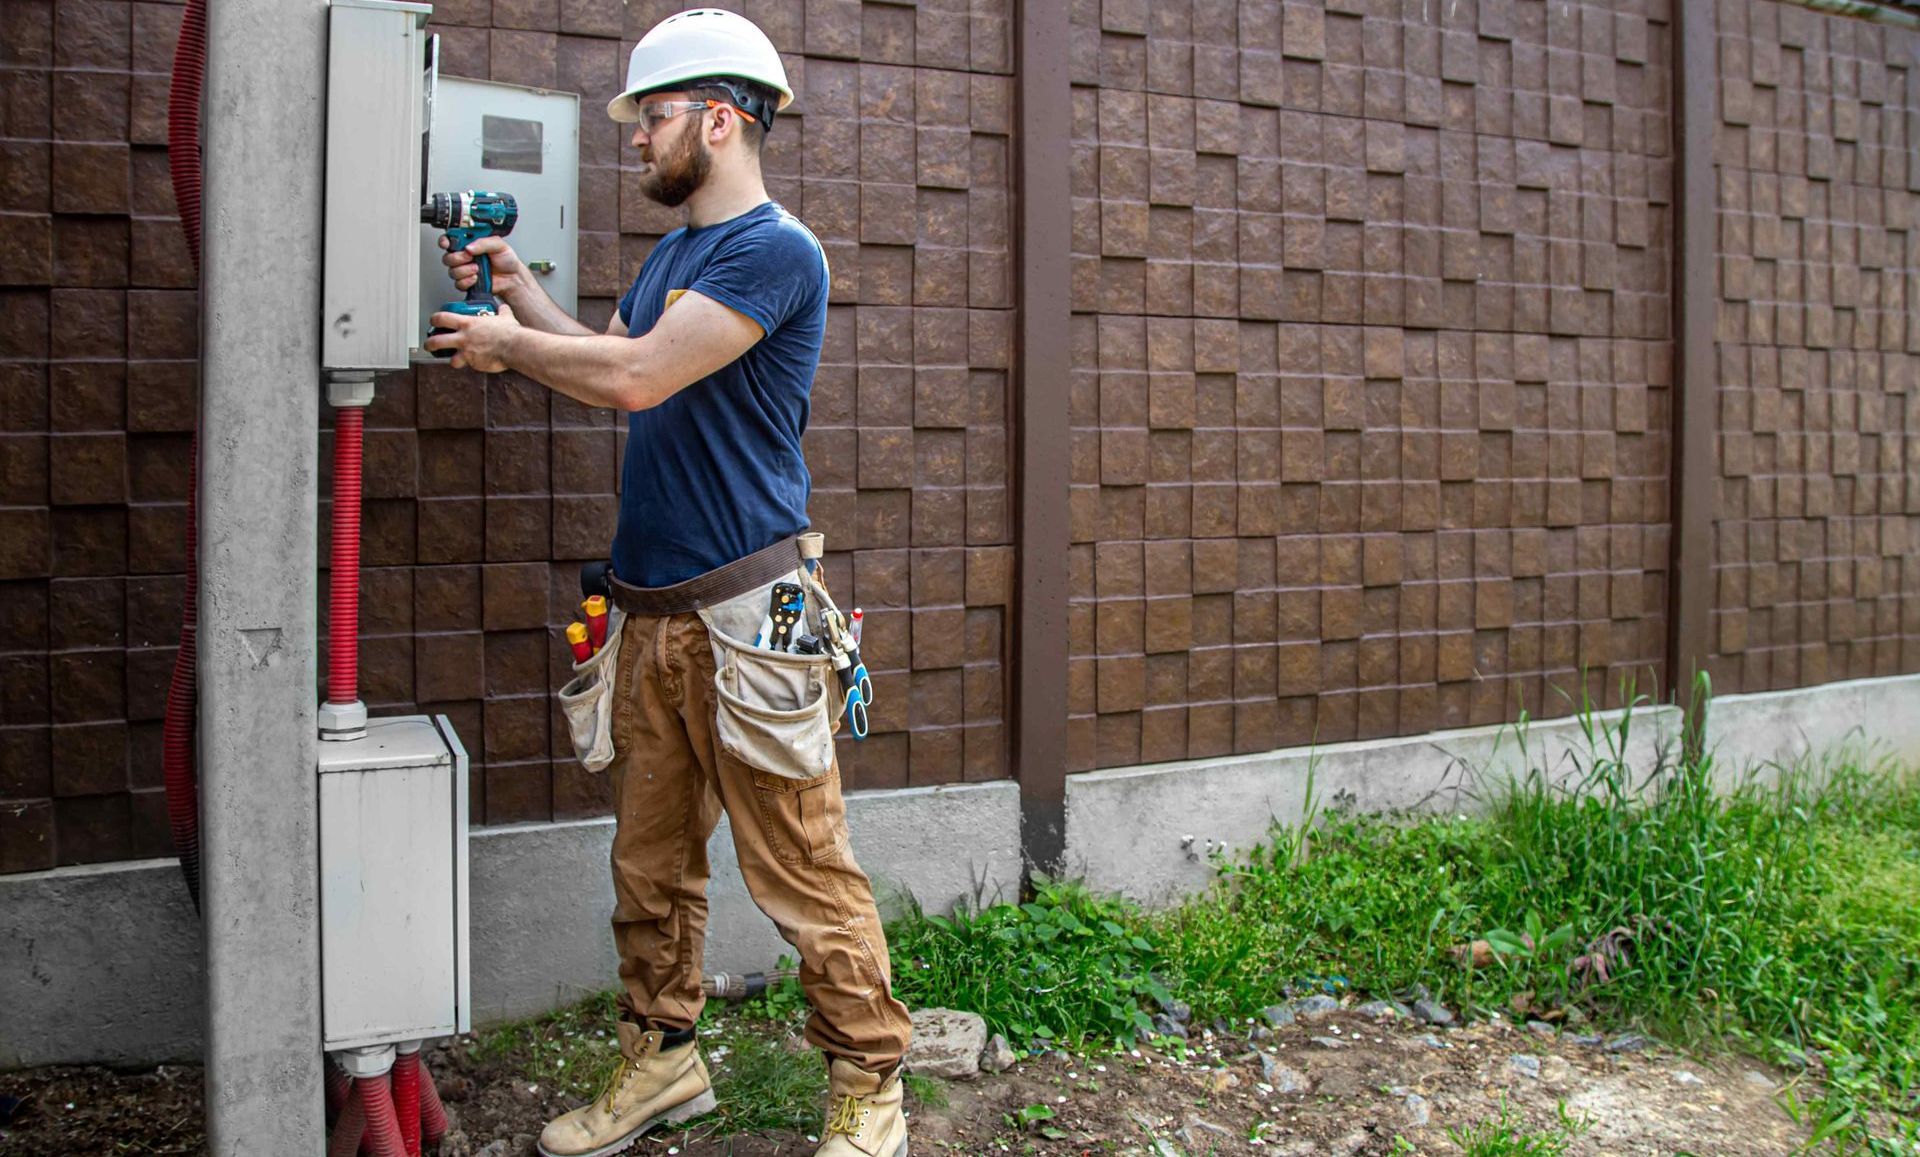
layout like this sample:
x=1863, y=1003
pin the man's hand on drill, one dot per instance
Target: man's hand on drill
x=508, y=273
x=478, y=342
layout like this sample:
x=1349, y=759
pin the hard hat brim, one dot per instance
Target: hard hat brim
x=625, y=108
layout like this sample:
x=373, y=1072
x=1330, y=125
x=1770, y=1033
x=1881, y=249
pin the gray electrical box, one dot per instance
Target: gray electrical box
x=380, y=78
x=504, y=138
x=393, y=884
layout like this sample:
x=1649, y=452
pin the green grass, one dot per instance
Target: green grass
x=1506, y=1136
x=1780, y=919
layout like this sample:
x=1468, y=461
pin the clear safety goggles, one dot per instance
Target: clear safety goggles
x=653, y=114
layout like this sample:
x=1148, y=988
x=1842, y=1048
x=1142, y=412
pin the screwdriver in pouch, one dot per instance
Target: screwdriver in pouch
x=577, y=639
x=596, y=611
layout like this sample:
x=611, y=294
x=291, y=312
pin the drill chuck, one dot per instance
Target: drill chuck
x=493, y=213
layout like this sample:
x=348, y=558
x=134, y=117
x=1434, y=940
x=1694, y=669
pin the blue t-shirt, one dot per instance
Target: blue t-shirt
x=715, y=472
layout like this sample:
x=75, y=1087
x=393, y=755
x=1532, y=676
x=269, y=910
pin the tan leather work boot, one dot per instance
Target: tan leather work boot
x=652, y=1086
x=863, y=1114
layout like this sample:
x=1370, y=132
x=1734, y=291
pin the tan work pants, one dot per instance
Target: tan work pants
x=670, y=781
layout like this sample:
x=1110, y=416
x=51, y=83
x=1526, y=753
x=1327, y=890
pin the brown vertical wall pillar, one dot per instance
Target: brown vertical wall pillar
x=1695, y=306
x=1042, y=137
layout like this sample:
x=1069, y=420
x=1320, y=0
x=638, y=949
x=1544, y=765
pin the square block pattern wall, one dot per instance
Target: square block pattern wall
x=483, y=495
x=1817, y=538
x=1371, y=368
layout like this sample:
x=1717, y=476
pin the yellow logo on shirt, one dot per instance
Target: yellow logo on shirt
x=673, y=295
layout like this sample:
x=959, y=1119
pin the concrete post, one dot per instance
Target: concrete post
x=259, y=420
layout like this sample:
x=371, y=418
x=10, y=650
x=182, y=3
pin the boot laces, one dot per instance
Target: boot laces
x=616, y=1082
x=846, y=1117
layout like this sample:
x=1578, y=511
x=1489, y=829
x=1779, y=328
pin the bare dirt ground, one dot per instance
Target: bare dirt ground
x=1342, y=1084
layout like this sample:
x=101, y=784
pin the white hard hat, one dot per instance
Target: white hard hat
x=695, y=45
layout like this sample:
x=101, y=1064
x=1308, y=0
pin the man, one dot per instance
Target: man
x=713, y=352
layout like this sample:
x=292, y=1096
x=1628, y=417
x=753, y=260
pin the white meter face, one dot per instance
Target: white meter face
x=503, y=138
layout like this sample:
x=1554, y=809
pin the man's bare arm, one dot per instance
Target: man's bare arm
x=695, y=337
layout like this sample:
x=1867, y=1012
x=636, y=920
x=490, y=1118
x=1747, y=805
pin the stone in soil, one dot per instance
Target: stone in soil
x=997, y=1057
x=1428, y=1012
x=1417, y=1112
x=946, y=1043
x=1315, y=1005
x=1282, y=1078
x=1277, y=1015
x=1526, y=1066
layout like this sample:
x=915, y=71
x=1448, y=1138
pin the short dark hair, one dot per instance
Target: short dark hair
x=756, y=100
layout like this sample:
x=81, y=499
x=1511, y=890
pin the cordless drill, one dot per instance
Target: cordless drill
x=466, y=217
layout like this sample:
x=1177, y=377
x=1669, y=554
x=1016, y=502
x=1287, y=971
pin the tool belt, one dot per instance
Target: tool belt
x=767, y=565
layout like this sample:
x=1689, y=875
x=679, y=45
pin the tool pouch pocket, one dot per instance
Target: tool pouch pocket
x=773, y=711
x=587, y=699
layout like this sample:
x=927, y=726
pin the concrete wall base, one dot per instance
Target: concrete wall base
x=104, y=964
x=124, y=985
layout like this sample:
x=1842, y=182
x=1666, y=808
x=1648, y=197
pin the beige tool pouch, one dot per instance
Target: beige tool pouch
x=587, y=699
x=773, y=711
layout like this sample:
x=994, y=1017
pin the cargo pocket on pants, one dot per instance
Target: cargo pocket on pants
x=805, y=819
x=587, y=699
x=772, y=710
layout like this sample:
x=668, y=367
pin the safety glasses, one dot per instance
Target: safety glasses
x=656, y=113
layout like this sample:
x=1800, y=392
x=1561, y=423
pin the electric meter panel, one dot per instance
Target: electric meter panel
x=381, y=65
x=504, y=138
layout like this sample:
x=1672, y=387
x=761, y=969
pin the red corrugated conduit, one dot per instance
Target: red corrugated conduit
x=343, y=580
x=178, y=768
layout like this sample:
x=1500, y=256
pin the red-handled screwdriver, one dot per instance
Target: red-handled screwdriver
x=577, y=639
x=596, y=611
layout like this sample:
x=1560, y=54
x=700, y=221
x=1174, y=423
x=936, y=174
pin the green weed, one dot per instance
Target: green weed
x=1505, y=1136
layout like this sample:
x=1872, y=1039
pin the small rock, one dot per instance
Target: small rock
x=1415, y=992
x=1329, y=1042
x=1525, y=1066
x=1575, y=1016
x=1683, y=1077
x=1277, y=1015
x=1592, y=1040
x=1316, y=1005
x=522, y=1143
x=1555, y=1070
x=1478, y=954
x=1178, y=1010
x=1757, y=1080
x=1417, y=1112
x=492, y=1149
x=946, y=1043
x=1629, y=1042
x=1190, y=1133
x=1378, y=1009
x=1221, y=1080
x=1431, y=1041
x=1428, y=1012
x=1222, y=1027
x=1165, y=1025
x=1542, y=1029
x=997, y=1057
x=1164, y=1148
x=1282, y=1078
x=1259, y=1033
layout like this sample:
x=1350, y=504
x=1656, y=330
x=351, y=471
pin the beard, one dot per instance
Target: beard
x=677, y=177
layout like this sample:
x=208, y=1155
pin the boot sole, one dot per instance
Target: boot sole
x=685, y=1110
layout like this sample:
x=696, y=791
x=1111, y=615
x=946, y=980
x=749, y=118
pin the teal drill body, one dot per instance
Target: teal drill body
x=465, y=217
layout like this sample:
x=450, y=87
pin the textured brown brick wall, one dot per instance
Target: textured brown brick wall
x=1817, y=544
x=98, y=333
x=484, y=494
x=1370, y=406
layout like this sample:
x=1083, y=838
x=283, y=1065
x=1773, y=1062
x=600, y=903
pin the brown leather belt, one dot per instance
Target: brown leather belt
x=767, y=565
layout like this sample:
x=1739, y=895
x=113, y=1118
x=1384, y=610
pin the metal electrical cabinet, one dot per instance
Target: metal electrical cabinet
x=393, y=884
x=505, y=138
x=380, y=81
